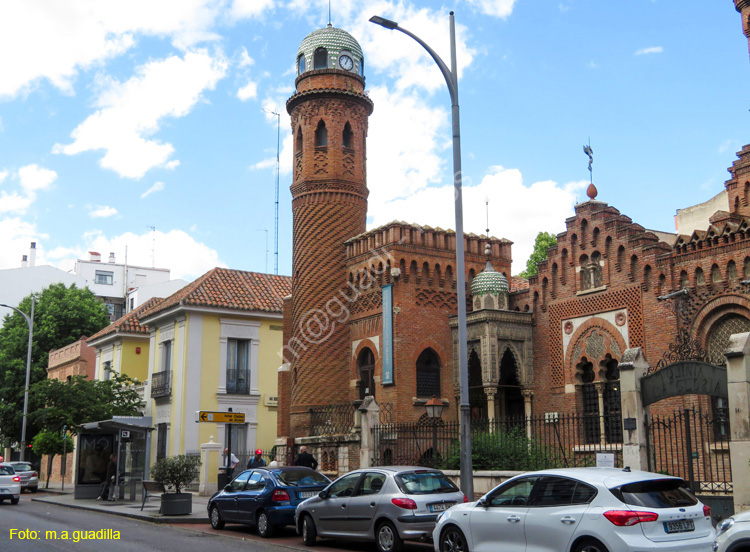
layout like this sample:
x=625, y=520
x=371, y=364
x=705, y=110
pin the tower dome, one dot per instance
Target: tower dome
x=489, y=281
x=330, y=48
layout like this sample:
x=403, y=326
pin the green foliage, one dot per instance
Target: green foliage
x=62, y=315
x=544, y=240
x=176, y=471
x=503, y=450
x=51, y=443
x=80, y=400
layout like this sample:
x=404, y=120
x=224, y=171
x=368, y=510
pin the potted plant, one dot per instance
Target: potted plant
x=174, y=473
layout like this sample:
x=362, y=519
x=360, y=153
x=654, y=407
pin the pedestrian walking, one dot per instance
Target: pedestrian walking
x=256, y=461
x=304, y=458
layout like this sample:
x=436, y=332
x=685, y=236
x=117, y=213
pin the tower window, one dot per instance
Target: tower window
x=298, y=141
x=428, y=374
x=301, y=64
x=348, y=138
x=321, y=59
x=321, y=135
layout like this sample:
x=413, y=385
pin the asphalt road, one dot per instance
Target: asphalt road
x=36, y=526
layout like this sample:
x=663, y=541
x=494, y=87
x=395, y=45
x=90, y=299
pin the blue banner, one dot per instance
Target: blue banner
x=388, y=334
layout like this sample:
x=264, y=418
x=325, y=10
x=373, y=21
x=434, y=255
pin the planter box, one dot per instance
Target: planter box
x=176, y=504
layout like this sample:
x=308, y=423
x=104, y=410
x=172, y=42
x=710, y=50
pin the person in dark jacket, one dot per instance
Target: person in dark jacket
x=304, y=458
x=256, y=461
x=108, y=489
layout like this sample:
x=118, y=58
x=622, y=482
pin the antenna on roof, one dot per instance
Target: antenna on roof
x=487, y=209
x=276, y=220
x=329, y=12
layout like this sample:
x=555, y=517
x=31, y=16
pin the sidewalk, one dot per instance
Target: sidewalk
x=56, y=495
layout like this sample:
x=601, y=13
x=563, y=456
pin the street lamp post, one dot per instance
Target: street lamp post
x=30, y=322
x=451, y=79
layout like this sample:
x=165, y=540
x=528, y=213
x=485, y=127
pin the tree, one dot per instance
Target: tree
x=544, y=240
x=80, y=400
x=62, y=315
x=51, y=443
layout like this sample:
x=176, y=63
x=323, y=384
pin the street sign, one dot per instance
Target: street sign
x=220, y=417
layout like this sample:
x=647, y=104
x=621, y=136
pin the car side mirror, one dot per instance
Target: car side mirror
x=228, y=488
x=323, y=494
x=482, y=502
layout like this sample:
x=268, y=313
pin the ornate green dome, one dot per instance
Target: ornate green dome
x=489, y=281
x=336, y=49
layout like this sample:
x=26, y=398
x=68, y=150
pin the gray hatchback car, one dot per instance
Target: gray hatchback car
x=387, y=505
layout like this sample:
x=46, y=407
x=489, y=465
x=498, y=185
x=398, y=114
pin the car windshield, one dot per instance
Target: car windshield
x=295, y=478
x=22, y=467
x=425, y=482
x=662, y=493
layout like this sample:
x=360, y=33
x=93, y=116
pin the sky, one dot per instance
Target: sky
x=148, y=128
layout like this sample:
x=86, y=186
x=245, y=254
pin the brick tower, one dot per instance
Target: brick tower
x=329, y=113
x=743, y=6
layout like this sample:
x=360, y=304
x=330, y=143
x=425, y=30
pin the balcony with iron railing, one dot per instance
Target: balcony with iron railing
x=238, y=382
x=161, y=384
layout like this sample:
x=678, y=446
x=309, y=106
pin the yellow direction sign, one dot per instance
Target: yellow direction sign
x=220, y=417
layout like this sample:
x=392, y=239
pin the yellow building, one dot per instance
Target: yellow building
x=214, y=346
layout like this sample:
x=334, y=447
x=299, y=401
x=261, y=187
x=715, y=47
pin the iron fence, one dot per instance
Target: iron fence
x=334, y=419
x=552, y=440
x=692, y=444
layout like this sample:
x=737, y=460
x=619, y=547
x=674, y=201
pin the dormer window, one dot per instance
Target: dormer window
x=301, y=64
x=320, y=60
x=321, y=134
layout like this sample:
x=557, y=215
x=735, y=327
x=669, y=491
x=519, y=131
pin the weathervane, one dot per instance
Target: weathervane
x=590, y=152
x=487, y=207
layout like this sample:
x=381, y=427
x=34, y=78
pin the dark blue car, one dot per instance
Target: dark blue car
x=265, y=498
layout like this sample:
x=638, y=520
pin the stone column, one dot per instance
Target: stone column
x=738, y=389
x=209, y=467
x=527, y=395
x=490, y=392
x=370, y=412
x=632, y=367
x=599, y=386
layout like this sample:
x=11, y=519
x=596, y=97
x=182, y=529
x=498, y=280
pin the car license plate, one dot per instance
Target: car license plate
x=679, y=526
x=441, y=507
x=307, y=494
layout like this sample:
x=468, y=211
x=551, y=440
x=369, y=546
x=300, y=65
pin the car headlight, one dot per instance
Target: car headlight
x=724, y=525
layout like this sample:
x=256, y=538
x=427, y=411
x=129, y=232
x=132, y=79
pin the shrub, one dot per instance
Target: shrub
x=176, y=471
x=503, y=450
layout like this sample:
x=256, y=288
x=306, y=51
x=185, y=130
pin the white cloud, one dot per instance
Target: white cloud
x=3, y=175
x=157, y=187
x=103, y=212
x=169, y=249
x=652, y=50
x=86, y=33
x=242, y=9
x=132, y=111
x=496, y=8
x=245, y=59
x=15, y=237
x=34, y=178
x=248, y=92
x=14, y=202
x=516, y=212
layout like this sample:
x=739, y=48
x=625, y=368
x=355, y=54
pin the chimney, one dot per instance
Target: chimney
x=95, y=257
x=112, y=258
x=24, y=261
x=32, y=254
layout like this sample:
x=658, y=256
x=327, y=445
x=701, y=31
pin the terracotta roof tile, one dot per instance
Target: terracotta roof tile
x=231, y=289
x=130, y=323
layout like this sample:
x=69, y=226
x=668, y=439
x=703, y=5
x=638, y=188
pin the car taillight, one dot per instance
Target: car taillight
x=405, y=503
x=35, y=474
x=624, y=518
x=706, y=511
x=280, y=495
x=465, y=499
x=16, y=478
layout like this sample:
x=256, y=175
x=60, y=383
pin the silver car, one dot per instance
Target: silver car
x=387, y=505
x=29, y=476
x=10, y=484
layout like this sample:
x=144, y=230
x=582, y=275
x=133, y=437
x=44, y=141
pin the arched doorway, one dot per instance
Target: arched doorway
x=509, y=402
x=477, y=398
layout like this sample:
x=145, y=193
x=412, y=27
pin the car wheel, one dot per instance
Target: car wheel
x=309, y=533
x=452, y=539
x=265, y=529
x=216, y=521
x=590, y=545
x=387, y=538
x=15, y=500
x=34, y=489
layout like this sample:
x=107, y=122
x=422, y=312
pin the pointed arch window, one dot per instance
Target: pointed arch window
x=321, y=135
x=320, y=60
x=366, y=367
x=428, y=374
x=348, y=137
x=298, y=141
